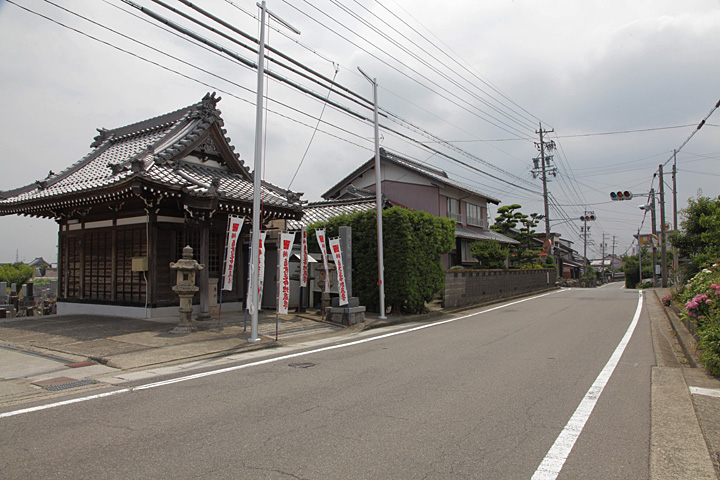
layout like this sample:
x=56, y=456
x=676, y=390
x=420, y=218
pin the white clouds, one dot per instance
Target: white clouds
x=579, y=66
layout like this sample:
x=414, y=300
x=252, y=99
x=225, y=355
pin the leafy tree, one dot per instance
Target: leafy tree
x=18, y=273
x=413, y=242
x=515, y=224
x=631, y=268
x=490, y=254
x=699, y=239
x=507, y=219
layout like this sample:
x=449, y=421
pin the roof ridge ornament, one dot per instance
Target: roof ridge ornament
x=104, y=134
x=207, y=108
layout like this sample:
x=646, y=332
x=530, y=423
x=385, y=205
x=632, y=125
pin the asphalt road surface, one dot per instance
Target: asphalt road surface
x=555, y=386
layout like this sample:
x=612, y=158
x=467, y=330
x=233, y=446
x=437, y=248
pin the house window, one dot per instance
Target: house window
x=474, y=215
x=453, y=209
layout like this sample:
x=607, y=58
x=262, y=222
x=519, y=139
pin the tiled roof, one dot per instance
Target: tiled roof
x=324, y=211
x=486, y=235
x=152, y=151
x=422, y=169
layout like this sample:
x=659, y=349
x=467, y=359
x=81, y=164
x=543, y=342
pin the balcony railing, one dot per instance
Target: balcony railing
x=477, y=222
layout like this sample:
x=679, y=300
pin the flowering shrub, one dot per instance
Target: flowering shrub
x=667, y=300
x=701, y=296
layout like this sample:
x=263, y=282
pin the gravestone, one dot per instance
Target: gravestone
x=3, y=292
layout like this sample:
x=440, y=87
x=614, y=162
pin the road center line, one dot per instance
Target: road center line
x=558, y=453
x=266, y=361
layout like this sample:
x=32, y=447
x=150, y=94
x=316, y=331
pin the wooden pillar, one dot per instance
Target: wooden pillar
x=151, y=252
x=113, y=260
x=204, y=274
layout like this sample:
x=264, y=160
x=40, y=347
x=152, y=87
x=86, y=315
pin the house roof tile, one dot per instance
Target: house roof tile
x=153, y=150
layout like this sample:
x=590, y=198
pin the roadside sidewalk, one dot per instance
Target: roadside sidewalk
x=42, y=356
x=685, y=438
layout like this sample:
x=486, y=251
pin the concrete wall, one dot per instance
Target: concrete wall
x=468, y=287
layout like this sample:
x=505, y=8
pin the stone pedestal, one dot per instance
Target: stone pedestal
x=349, y=314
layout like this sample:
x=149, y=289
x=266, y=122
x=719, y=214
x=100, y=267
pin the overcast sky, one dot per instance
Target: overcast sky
x=621, y=83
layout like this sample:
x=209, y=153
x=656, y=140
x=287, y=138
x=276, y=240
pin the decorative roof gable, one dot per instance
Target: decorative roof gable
x=184, y=151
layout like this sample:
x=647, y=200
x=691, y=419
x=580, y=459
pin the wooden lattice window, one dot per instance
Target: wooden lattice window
x=131, y=243
x=70, y=262
x=97, y=279
x=191, y=236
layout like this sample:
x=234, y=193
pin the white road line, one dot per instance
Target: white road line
x=558, y=453
x=60, y=404
x=709, y=392
x=266, y=361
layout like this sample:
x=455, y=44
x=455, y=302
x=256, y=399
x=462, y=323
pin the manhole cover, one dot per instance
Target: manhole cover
x=301, y=365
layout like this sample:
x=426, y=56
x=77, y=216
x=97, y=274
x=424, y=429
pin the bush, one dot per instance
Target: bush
x=490, y=254
x=413, y=242
x=701, y=298
x=710, y=345
x=631, y=267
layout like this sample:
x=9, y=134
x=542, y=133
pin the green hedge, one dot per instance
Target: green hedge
x=413, y=242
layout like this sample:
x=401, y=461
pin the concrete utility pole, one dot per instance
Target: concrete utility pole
x=378, y=198
x=257, y=174
x=603, y=255
x=585, y=232
x=639, y=255
x=663, y=248
x=545, y=169
x=654, y=232
x=675, y=221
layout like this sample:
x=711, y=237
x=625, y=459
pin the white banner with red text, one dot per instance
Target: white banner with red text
x=340, y=268
x=286, y=245
x=235, y=224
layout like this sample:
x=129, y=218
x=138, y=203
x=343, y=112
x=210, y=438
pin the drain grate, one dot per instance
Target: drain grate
x=65, y=386
x=301, y=365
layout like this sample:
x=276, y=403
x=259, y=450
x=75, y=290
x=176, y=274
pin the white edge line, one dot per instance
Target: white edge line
x=266, y=361
x=60, y=404
x=553, y=462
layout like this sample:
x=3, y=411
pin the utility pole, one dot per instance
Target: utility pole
x=378, y=198
x=612, y=259
x=654, y=232
x=257, y=175
x=675, y=223
x=663, y=248
x=542, y=166
x=602, y=269
x=639, y=256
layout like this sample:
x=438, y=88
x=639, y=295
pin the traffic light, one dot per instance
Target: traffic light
x=587, y=218
x=621, y=195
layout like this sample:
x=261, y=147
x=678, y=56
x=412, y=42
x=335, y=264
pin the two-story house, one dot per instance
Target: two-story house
x=418, y=186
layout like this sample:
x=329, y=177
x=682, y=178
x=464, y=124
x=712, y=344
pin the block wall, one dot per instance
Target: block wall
x=468, y=287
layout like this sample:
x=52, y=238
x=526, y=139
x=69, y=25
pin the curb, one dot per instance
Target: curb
x=683, y=336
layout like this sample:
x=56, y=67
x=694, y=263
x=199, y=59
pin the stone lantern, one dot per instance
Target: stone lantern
x=186, y=268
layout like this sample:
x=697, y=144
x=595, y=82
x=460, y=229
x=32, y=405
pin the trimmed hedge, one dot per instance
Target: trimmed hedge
x=413, y=242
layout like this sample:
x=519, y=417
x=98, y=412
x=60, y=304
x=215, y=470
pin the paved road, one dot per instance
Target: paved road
x=482, y=396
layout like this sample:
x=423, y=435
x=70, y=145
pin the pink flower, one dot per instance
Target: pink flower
x=691, y=305
x=708, y=302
